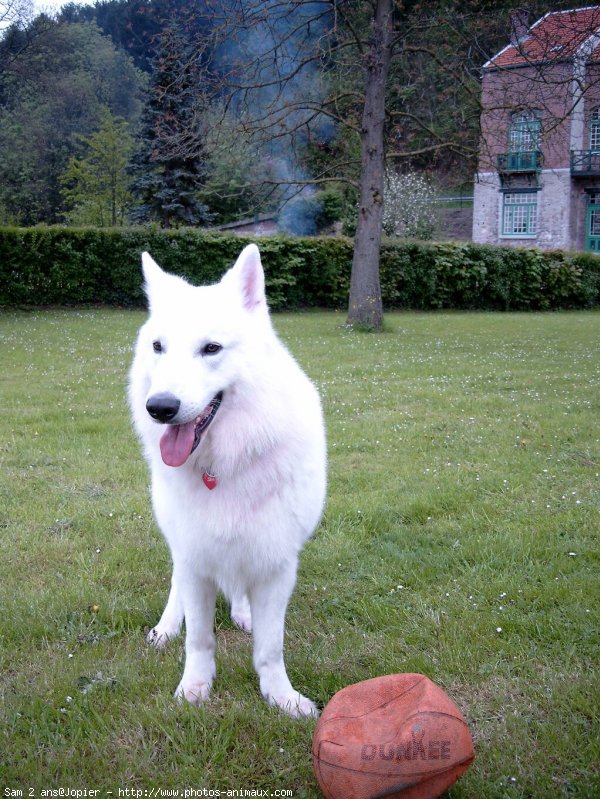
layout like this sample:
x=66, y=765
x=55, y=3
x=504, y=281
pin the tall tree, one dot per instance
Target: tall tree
x=331, y=61
x=15, y=14
x=72, y=73
x=292, y=72
x=167, y=183
x=365, y=306
x=96, y=184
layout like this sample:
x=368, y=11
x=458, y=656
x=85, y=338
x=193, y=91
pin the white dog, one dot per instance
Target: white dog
x=233, y=433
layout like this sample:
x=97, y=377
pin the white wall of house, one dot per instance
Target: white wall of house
x=554, y=210
x=554, y=228
x=486, y=208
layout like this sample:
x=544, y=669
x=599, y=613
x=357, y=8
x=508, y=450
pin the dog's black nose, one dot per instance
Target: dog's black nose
x=163, y=407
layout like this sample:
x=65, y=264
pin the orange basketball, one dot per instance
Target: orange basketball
x=398, y=737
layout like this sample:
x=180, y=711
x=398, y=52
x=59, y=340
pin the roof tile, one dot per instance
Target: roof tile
x=556, y=36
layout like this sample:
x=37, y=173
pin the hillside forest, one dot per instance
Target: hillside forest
x=177, y=113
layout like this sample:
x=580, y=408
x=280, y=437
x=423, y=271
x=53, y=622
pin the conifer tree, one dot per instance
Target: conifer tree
x=167, y=180
x=95, y=184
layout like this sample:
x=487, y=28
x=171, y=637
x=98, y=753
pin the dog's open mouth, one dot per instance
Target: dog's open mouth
x=180, y=440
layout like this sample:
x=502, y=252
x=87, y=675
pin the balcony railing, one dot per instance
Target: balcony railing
x=526, y=161
x=585, y=163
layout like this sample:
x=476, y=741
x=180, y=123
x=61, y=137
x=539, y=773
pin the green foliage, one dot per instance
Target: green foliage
x=238, y=181
x=96, y=185
x=469, y=276
x=60, y=266
x=332, y=206
x=168, y=166
x=55, y=75
x=73, y=73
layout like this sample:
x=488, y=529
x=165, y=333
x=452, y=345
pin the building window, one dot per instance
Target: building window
x=519, y=214
x=592, y=238
x=595, y=130
x=594, y=206
x=524, y=131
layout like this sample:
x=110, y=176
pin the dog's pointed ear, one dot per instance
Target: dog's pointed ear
x=156, y=280
x=152, y=272
x=248, y=276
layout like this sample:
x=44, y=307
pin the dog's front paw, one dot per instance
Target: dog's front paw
x=294, y=705
x=193, y=692
x=160, y=636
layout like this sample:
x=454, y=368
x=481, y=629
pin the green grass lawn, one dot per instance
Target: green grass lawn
x=460, y=540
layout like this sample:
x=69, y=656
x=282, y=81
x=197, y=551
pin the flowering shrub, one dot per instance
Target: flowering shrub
x=408, y=209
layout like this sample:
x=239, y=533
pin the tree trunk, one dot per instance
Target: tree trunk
x=365, y=306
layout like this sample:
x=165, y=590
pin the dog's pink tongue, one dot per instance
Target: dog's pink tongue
x=176, y=443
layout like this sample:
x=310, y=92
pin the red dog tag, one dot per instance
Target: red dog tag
x=209, y=480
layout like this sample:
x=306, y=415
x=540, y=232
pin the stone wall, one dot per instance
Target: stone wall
x=486, y=205
x=560, y=212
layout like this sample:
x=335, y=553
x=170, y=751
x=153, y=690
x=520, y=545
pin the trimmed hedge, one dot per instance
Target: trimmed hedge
x=66, y=266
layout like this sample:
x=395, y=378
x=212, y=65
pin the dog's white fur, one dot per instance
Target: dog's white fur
x=266, y=446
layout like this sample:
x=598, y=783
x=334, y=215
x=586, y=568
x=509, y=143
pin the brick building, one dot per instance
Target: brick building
x=538, y=179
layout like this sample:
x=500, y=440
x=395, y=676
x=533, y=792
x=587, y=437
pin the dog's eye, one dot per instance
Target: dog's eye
x=157, y=346
x=211, y=349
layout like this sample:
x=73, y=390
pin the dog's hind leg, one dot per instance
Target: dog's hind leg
x=269, y=603
x=171, y=620
x=240, y=613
